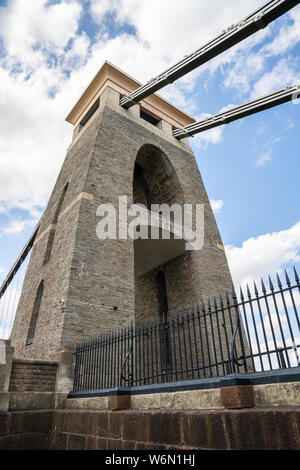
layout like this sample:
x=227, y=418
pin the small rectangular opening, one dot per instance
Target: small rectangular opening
x=149, y=117
x=89, y=114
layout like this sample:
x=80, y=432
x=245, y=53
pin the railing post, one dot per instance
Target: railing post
x=65, y=375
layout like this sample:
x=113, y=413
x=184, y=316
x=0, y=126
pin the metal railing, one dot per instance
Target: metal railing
x=259, y=331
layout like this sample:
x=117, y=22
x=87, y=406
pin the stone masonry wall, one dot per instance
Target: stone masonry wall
x=249, y=429
x=35, y=377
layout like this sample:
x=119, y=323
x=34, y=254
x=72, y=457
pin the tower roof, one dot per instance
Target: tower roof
x=109, y=75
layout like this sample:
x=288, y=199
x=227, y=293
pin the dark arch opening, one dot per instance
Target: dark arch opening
x=154, y=178
x=35, y=314
x=141, y=190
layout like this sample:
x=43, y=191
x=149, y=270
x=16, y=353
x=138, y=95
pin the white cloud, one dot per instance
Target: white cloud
x=264, y=158
x=288, y=36
x=285, y=72
x=263, y=255
x=268, y=149
x=16, y=226
x=216, y=205
x=37, y=24
x=246, y=68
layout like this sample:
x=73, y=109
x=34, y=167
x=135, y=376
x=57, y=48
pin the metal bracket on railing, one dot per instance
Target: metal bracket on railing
x=128, y=379
x=233, y=358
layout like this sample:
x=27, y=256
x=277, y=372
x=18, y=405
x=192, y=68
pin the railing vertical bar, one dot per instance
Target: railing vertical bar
x=288, y=320
x=294, y=307
x=110, y=360
x=219, y=334
x=179, y=345
x=151, y=349
x=143, y=354
x=106, y=360
x=224, y=326
x=239, y=329
x=174, y=347
x=255, y=328
x=247, y=327
x=184, y=344
x=161, y=350
x=79, y=367
x=147, y=347
x=84, y=384
x=229, y=306
x=92, y=372
x=263, y=326
x=213, y=337
x=207, y=339
x=166, y=358
x=270, y=321
x=201, y=341
x=76, y=369
x=135, y=355
x=281, y=359
x=156, y=346
x=98, y=365
x=195, y=341
x=102, y=361
x=115, y=359
x=190, y=344
x=88, y=350
x=140, y=362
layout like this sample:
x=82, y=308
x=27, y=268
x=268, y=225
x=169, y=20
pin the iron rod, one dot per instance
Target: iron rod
x=252, y=23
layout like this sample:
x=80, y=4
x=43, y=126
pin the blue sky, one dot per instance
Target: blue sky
x=51, y=50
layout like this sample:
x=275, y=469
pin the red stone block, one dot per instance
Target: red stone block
x=119, y=402
x=237, y=397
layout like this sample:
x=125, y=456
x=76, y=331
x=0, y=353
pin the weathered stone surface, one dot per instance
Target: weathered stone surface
x=30, y=401
x=281, y=394
x=97, y=403
x=4, y=401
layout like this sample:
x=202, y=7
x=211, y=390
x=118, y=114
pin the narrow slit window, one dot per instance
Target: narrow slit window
x=89, y=114
x=149, y=117
x=35, y=314
x=51, y=235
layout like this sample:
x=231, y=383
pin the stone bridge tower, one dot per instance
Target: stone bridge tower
x=78, y=285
